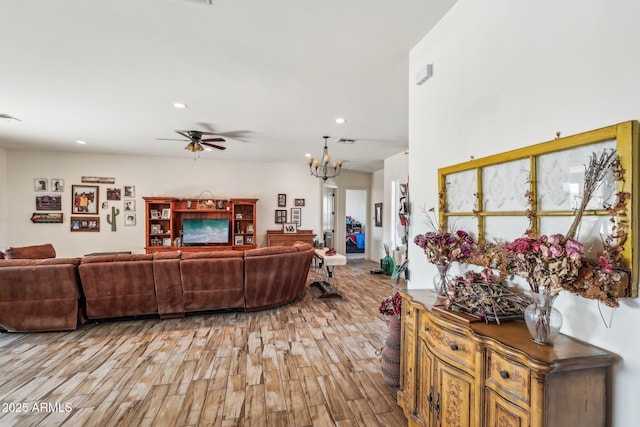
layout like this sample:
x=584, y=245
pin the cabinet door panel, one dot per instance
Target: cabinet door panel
x=502, y=413
x=426, y=387
x=408, y=366
x=455, y=397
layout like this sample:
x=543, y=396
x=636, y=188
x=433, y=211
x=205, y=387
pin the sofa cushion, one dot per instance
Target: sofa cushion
x=118, y=285
x=116, y=258
x=36, y=262
x=212, y=280
x=30, y=252
x=269, y=250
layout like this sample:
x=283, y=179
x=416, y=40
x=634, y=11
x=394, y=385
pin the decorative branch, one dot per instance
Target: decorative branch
x=593, y=174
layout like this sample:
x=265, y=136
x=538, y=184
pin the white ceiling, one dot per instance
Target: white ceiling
x=275, y=73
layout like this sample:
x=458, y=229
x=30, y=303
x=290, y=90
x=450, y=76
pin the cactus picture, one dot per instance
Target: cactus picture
x=111, y=219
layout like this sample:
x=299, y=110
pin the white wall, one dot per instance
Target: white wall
x=3, y=198
x=151, y=176
x=396, y=170
x=356, y=205
x=510, y=74
x=376, y=234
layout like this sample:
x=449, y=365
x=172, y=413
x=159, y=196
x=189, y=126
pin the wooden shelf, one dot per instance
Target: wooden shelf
x=240, y=229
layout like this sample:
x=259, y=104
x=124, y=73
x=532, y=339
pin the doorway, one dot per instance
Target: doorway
x=356, y=223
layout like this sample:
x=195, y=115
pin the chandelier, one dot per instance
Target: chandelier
x=321, y=168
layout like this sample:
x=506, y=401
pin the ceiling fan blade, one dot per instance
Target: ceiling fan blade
x=171, y=139
x=184, y=133
x=219, y=147
x=213, y=140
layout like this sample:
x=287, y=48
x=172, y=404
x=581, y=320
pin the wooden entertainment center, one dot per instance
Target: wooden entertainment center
x=165, y=218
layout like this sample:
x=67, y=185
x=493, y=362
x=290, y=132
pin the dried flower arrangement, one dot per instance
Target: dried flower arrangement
x=607, y=279
x=442, y=247
x=548, y=263
x=485, y=296
x=391, y=306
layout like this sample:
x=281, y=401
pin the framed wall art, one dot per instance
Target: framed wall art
x=129, y=191
x=114, y=194
x=282, y=200
x=40, y=184
x=296, y=216
x=538, y=190
x=85, y=199
x=298, y=202
x=57, y=185
x=130, y=218
x=49, y=203
x=85, y=223
x=281, y=216
x=290, y=228
x=378, y=214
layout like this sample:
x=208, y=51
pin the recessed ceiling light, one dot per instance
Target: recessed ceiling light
x=179, y=105
x=340, y=120
x=81, y=142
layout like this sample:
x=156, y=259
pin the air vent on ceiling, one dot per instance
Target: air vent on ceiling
x=201, y=1
x=8, y=117
x=346, y=141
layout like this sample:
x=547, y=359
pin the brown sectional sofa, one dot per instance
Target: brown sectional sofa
x=52, y=294
x=39, y=294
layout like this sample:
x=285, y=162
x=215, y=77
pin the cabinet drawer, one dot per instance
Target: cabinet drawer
x=453, y=347
x=511, y=379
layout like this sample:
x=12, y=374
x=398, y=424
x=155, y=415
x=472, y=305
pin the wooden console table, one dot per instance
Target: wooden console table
x=280, y=238
x=477, y=374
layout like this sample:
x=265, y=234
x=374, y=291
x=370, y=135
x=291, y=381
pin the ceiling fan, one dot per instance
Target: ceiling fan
x=195, y=141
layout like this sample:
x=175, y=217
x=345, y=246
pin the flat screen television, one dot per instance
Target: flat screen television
x=205, y=231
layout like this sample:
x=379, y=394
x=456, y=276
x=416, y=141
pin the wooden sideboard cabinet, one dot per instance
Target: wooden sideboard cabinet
x=280, y=238
x=476, y=374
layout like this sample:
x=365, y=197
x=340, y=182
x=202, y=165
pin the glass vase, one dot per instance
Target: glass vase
x=440, y=280
x=542, y=319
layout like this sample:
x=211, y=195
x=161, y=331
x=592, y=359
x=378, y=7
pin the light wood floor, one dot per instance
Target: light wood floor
x=313, y=362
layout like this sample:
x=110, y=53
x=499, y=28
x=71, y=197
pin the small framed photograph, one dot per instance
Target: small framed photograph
x=166, y=241
x=290, y=227
x=90, y=223
x=57, y=185
x=238, y=216
x=105, y=205
x=296, y=216
x=248, y=240
x=378, y=214
x=155, y=229
x=130, y=218
x=129, y=205
x=155, y=214
x=239, y=240
x=114, y=194
x=282, y=200
x=166, y=213
x=85, y=199
x=49, y=203
x=281, y=216
x=129, y=191
x=299, y=202
x=40, y=184
x=250, y=228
